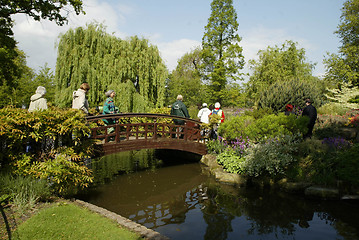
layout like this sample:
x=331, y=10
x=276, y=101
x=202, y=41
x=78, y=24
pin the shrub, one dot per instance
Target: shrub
x=348, y=165
x=63, y=175
x=272, y=126
x=235, y=127
x=294, y=92
x=231, y=161
x=332, y=109
x=271, y=157
x=217, y=146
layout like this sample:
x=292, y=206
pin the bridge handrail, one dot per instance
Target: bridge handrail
x=143, y=115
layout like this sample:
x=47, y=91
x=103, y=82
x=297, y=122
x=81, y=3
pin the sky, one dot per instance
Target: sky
x=177, y=27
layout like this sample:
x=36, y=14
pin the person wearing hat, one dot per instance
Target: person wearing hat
x=79, y=100
x=311, y=112
x=217, y=111
x=109, y=106
x=204, y=113
x=37, y=101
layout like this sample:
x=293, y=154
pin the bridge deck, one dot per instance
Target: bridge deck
x=147, y=131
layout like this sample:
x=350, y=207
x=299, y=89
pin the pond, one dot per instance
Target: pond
x=180, y=200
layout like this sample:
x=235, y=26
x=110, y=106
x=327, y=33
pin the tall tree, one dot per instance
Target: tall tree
x=11, y=59
x=105, y=61
x=186, y=80
x=344, y=66
x=285, y=63
x=222, y=55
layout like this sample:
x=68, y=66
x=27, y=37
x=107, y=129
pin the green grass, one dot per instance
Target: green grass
x=68, y=221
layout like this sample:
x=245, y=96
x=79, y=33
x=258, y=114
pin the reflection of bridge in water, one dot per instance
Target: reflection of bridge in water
x=135, y=131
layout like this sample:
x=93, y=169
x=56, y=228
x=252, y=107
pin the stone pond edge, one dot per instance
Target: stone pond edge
x=306, y=188
x=126, y=223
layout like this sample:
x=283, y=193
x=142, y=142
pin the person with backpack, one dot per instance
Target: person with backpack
x=219, y=112
x=179, y=109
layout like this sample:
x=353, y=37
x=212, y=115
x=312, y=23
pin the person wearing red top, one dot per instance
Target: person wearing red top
x=218, y=111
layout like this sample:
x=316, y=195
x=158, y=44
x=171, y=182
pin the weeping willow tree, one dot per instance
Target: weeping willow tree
x=132, y=67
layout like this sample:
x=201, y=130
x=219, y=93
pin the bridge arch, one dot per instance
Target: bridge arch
x=135, y=131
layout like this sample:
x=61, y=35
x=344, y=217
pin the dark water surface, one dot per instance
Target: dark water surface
x=183, y=202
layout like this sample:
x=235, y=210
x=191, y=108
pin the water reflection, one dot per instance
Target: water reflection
x=183, y=202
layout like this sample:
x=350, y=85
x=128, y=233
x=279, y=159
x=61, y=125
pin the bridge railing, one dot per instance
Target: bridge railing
x=144, y=126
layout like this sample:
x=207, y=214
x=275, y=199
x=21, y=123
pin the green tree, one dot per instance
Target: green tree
x=12, y=61
x=222, y=55
x=15, y=82
x=285, y=63
x=344, y=66
x=186, y=80
x=105, y=61
x=44, y=78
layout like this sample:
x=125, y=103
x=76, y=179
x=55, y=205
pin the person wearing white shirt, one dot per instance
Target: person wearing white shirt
x=204, y=113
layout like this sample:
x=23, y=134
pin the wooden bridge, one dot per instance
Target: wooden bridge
x=135, y=131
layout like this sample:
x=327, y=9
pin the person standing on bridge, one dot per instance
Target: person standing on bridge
x=179, y=109
x=218, y=112
x=109, y=108
x=37, y=101
x=79, y=100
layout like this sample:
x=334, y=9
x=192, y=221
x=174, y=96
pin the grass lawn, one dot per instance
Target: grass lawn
x=69, y=221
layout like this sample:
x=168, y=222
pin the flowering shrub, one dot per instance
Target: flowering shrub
x=354, y=121
x=217, y=146
x=336, y=143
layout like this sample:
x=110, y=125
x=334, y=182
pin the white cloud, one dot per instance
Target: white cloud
x=38, y=39
x=171, y=52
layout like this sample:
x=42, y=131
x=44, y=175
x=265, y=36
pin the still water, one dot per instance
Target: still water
x=181, y=201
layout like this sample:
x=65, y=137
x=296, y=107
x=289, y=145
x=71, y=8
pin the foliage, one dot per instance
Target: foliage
x=131, y=67
x=49, y=134
x=343, y=94
x=235, y=127
x=281, y=93
x=24, y=192
x=64, y=175
x=336, y=143
x=271, y=157
x=278, y=64
x=186, y=80
x=221, y=54
x=348, y=165
x=15, y=78
x=258, y=112
x=75, y=223
x=53, y=11
x=14, y=74
x=321, y=163
x=231, y=161
x=269, y=126
x=332, y=125
x=216, y=146
x=343, y=67
x=332, y=109
x=235, y=96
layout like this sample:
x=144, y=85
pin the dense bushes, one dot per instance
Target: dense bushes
x=50, y=145
x=273, y=147
x=293, y=92
x=268, y=126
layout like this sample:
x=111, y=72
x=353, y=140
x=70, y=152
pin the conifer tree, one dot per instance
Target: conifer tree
x=104, y=61
x=222, y=55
